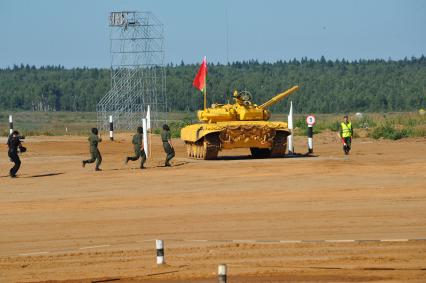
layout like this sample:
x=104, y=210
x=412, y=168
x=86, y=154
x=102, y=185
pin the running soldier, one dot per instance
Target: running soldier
x=138, y=148
x=167, y=144
x=94, y=140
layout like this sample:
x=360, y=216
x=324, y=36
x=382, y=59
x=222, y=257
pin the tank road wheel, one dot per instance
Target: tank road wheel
x=199, y=151
x=194, y=150
x=211, y=146
x=279, y=144
x=188, y=149
x=202, y=151
x=207, y=148
x=260, y=152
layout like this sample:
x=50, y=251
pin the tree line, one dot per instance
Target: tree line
x=326, y=86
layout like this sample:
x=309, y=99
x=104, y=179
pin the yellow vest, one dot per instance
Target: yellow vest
x=346, y=130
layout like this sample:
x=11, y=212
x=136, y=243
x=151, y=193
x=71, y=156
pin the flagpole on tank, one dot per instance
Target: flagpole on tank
x=200, y=80
x=205, y=97
x=205, y=85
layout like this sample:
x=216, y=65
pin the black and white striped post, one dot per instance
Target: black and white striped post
x=310, y=120
x=221, y=273
x=310, y=139
x=10, y=124
x=111, y=129
x=159, y=244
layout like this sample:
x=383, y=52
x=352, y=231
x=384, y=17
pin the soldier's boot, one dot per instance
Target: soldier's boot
x=126, y=160
x=83, y=163
x=98, y=169
x=346, y=149
x=167, y=164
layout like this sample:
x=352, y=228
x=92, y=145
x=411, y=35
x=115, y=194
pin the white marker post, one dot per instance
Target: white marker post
x=221, y=272
x=290, y=127
x=145, y=138
x=10, y=124
x=310, y=120
x=148, y=127
x=111, y=129
x=159, y=245
x=148, y=119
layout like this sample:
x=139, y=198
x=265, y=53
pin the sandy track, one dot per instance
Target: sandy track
x=60, y=221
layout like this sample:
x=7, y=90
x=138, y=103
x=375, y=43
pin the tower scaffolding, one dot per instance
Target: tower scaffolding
x=138, y=76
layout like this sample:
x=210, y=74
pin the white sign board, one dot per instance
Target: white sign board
x=310, y=120
x=117, y=19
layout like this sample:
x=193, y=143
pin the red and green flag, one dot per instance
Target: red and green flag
x=200, y=79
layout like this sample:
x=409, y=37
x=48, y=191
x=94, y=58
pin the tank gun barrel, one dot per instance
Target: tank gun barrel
x=278, y=97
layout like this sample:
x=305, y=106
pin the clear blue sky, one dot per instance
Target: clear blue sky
x=75, y=33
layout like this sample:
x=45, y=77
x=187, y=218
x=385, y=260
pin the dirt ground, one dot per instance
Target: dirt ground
x=269, y=220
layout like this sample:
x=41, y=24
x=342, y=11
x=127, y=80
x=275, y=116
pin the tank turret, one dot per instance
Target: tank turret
x=243, y=108
x=242, y=124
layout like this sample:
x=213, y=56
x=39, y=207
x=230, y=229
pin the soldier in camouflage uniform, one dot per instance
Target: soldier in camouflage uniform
x=94, y=140
x=167, y=144
x=138, y=147
x=14, y=142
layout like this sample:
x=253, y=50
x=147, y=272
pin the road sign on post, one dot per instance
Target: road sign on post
x=310, y=120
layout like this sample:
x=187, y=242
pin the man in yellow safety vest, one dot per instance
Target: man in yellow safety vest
x=346, y=132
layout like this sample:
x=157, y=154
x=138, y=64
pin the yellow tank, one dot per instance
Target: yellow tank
x=239, y=125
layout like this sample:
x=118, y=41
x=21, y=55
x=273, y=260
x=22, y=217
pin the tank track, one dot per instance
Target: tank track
x=278, y=148
x=207, y=149
x=279, y=145
x=260, y=152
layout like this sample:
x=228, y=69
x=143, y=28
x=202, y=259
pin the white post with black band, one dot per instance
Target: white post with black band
x=111, y=128
x=10, y=124
x=310, y=120
x=159, y=244
x=310, y=139
x=221, y=273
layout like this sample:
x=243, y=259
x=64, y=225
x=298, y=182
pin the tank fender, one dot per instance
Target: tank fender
x=196, y=132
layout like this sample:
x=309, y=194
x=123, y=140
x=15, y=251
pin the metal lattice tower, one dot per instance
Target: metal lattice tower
x=137, y=71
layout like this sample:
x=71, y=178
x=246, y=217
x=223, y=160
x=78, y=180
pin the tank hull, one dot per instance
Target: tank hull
x=264, y=138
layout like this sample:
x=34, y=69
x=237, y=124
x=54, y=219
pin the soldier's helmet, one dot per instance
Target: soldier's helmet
x=95, y=131
x=140, y=130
